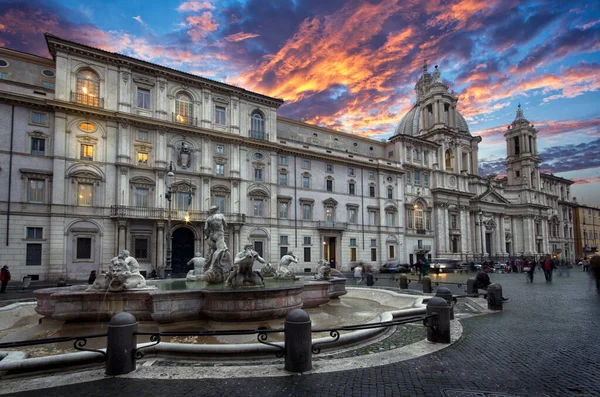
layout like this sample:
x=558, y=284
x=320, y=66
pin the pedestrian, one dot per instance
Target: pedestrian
x=92, y=277
x=586, y=265
x=4, y=278
x=529, y=268
x=547, y=266
x=358, y=273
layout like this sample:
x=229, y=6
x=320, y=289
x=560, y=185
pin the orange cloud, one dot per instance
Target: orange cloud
x=240, y=36
x=585, y=181
x=200, y=25
x=195, y=6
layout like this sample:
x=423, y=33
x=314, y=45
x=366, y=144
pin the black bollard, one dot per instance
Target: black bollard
x=446, y=294
x=121, y=344
x=494, y=297
x=403, y=282
x=472, y=287
x=298, y=341
x=440, y=332
x=426, y=281
x=370, y=281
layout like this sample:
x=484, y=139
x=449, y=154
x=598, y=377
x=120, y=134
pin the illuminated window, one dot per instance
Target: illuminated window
x=142, y=158
x=87, y=127
x=87, y=152
x=183, y=109
x=85, y=191
x=88, y=88
x=283, y=210
x=419, y=220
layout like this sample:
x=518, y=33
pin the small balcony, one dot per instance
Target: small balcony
x=181, y=119
x=331, y=225
x=87, y=100
x=258, y=135
x=421, y=248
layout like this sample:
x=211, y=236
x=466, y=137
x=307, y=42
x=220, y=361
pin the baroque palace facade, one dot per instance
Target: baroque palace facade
x=89, y=136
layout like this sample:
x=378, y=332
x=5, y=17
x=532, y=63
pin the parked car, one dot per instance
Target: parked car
x=394, y=267
x=441, y=265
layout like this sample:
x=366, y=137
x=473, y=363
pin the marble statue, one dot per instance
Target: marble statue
x=283, y=271
x=218, y=259
x=243, y=275
x=123, y=274
x=197, y=273
x=325, y=272
x=268, y=271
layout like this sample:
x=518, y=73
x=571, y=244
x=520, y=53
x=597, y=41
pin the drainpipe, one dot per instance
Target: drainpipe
x=10, y=163
x=295, y=205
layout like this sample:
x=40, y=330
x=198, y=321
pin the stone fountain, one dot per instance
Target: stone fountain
x=229, y=290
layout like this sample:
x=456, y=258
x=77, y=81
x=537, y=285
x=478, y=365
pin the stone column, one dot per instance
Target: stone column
x=502, y=235
x=122, y=236
x=160, y=244
x=464, y=216
x=477, y=228
x=446, y=230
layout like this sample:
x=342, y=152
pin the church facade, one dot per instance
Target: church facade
x=95, y=144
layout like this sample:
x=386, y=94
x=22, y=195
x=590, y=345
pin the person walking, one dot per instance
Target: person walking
x=358, y=273
x=4, y=278
x=595, y=271
x=529, y=268
x=547, y=266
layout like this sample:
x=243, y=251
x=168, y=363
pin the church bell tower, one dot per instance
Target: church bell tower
x=522, y=161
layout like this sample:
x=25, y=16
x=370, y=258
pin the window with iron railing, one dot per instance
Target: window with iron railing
x=88, y=89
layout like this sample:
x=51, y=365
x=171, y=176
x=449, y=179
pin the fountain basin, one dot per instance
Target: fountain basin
x=168, y=305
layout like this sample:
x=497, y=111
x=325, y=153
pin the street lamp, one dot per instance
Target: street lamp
x=168, y=195
x=481, y=228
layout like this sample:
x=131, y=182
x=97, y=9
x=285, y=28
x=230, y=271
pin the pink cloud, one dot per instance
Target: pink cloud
x=240, y=36
x=200, y=25
x=586, y=181
x=195, y=6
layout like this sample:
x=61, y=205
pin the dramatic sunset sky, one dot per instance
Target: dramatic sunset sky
x=352, y=64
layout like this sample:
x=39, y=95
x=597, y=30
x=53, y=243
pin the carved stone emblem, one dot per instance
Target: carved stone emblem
x=184, y=158
x=490, y=224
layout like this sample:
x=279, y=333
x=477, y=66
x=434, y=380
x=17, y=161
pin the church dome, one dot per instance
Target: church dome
x=409, y=125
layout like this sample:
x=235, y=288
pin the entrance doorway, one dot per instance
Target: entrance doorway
x=183, y=251
x=330, y=250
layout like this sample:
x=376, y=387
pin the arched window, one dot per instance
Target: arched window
x=449, y=157
x=419, y=220
x=88, y=88
x=183, y=109
x=257, y=125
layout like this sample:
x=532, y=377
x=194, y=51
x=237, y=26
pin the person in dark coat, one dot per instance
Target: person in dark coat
x=92, y=277
x=4, y=278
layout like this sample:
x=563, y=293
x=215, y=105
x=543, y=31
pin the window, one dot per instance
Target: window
x=372, y=191
x=87, y=152
x=88, y=88
x=3, y=63
x=258, y=174
x=283, y=250
x=408, y=175
x=372, y=218
x=47, y=84
x=306, y=212
x=306, y=182
x=257, y=125
x=219, y=202
x=33, y=255
x=143, y=136
x=38, y=146
x=283, y=178
x=140, y=248
x=39, y=118
x=350, y=171
x=142, y=158
x=419, y=220
x=3, y=76
x=417, y=177
x=351, y=188
x=257, y=206
x=391, y=218
x=329, y=184
x=220, y=115
x=306, y=164
x=85, y=194
x=449, y=158
x=307, y=240
x=426, y=180
x=35, y=233
x=183, y=109
x=221, y=149
x=410, y=215
x=48, y=73
x=220, y=170
x=284, y=210
x=35, y=191
x=352, y=215
x=283, y=160
x=391, y=253
x=329, y=167
x=87, y=127
x=141, y=197
x=353, y=242
x=373, y=254
x=415, y=155
x=283, y=240
x=390, y=154
x=426, y=157
x=329, y=215
x=306, y=254
x=390, y=192
x=182, y=200
x=408, y=153
x=352, y=254
x=84, y=248
x=143, y=98
x=453, y=221
x=258, y=247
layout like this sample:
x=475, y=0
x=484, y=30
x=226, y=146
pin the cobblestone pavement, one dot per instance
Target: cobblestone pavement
x=544, y=343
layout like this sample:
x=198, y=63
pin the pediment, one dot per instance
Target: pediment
x=491, y=196
x=330, y=201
